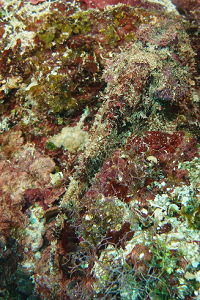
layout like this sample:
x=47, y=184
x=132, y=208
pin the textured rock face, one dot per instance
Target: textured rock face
x=191, y=11
x=99, y=160
x=189, y=8
x=148, y=84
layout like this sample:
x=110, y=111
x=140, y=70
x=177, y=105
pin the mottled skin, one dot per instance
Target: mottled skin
x=146, y=83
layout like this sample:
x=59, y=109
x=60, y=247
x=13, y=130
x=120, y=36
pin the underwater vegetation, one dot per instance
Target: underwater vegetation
x=99, y=150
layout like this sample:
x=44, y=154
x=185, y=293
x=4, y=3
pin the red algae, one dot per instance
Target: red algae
x=119, y=216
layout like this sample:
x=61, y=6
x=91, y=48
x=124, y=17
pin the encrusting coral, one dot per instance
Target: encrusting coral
x=99, y=150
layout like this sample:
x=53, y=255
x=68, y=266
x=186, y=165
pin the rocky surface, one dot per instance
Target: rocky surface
x=99, y=182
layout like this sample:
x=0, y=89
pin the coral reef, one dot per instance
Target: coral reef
x=99, y=150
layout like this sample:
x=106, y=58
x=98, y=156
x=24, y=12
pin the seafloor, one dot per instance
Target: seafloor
x=99, y=150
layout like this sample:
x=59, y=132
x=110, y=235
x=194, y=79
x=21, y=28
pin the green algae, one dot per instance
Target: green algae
x=53, y=94
x=191, y=204
x=47, y=37
x=60, y=29
x=111, y=35
x=50, y=146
